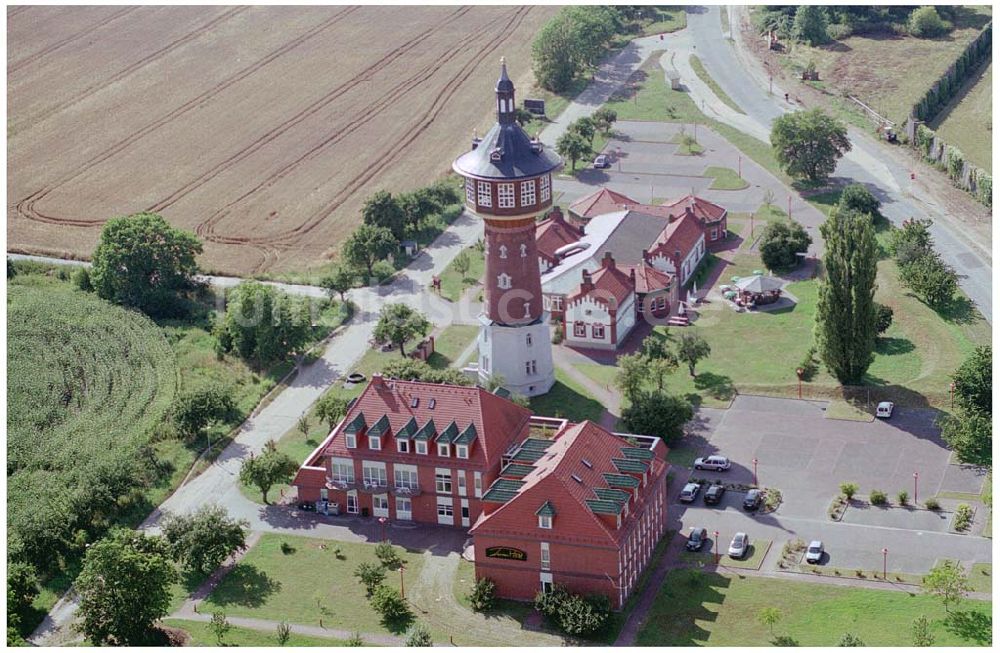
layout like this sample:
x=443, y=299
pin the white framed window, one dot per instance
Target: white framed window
x=462, y=451
x=446, y=511
x=404, y=508
x=503, y=280
x=350, y=441
x=380, y=503
x=462, y=489
x=598, y=330
x=528, y=193
x=442, y=481
x=374, y=442
x=715, y=234
x=544, y=557
x=505, y=196
x=557, y=303
x=485, y=194
x=403, y=446
x=352, y=502
x=422, y=447
x=524, y=251
x=373, y=474
x=579, y=329
x=477, y=483
x=470, y=191
x=545, y=521
x=342, y=470
x=503, y=251
x=546, y=190
x=444, y=449
x=405, y=477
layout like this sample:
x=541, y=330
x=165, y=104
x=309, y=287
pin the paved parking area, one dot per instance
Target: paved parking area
x=913, y=518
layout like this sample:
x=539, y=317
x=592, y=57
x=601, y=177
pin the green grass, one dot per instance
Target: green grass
x=305, y=585
x=840, y=409
x=555, y=103
x=449, y=345
x=202, y=635
x=454, y=284
x=725, y=179
x=569, y=400
x=668, y=19
x=711, y=609
x=981, y=577
x=504, y=610
x=966, y=123
x=699, y=69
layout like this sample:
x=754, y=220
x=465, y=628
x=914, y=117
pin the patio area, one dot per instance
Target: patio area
x=756, y=292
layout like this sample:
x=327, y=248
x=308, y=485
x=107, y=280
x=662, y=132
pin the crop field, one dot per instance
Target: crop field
x=260, y=128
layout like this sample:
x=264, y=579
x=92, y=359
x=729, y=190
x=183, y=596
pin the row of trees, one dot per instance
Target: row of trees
x=572, y=43
x=920, y=267
x=816, y=25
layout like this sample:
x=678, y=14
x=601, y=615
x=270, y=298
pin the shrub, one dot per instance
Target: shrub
x=857, y=197
x=883, y=318
x=963, y=517
x=926, y=23
x=772, y=498
x=81, y=279
x=371, y=576
x=848, y=489
x=355, y=639
x=903, y=497
x=283, y=633
x=389, y=604
x=388, y=556
x=483, y=595
x=932, y=504
x=780, y=244
x=287, y=548
x=557, y=335
x=930, y=278
x=418, y=635
x=877, y=498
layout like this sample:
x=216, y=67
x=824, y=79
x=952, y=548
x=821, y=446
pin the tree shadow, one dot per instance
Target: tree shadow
x=960, y=310
x=971, y=625
x=245, y=585
x=718, y=386
x=682, y=609
x=399, y=625
x=893, y=346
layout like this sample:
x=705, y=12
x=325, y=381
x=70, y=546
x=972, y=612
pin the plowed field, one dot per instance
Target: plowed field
x=260, y=128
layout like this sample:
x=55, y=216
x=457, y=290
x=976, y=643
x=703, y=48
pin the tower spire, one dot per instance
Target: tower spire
x=505, y=95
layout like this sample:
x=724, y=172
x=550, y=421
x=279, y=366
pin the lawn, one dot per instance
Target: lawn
x=668, y=19
x=758, y=550
x=202, y=635
x=966, y=123
x=513, y=612
x=981, y=577
x=450, y=343
x=305, y=585
x=725, y=179
x=569, y=400
x=695, y=607
x=454, y=284
x=699, y=69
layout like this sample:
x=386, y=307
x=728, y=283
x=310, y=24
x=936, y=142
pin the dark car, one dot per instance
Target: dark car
x=714, y=494
x=753, y=500
x=696, y=539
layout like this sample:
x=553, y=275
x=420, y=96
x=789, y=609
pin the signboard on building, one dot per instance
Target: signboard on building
x=507, y=553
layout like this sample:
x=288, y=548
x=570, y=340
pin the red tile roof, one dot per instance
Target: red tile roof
x=566, y=476
x=648, y=279
x=680, y=235
x=554, y=232
x=498, y=422
x=600, y=202
x=704, y=210
x=609, y=281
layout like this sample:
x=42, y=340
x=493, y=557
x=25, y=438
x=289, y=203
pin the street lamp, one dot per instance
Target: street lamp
x=885, y=558
x=382, y=521
x=755, y=472
x=915, y=477
x=618, y=157
x=739, y=164
x=402, y=590
x=799, y=372
x=716, y=546
x=789, y=207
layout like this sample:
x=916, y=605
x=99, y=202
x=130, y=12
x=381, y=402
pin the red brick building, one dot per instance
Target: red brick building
x=414, y=451
x=584, y=510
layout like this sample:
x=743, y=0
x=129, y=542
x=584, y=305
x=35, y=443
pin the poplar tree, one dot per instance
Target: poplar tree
x=846, y=313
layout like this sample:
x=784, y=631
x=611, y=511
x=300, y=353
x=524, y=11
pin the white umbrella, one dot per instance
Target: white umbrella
x=680, y=309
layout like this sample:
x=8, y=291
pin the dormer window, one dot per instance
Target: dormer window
x=350, y=441
x=374, y=442
x=545, y=521
x=431, y=403
x=496, y=154
x=444, y=449
x=422, y=447
x=461, y=451
x=403, y=446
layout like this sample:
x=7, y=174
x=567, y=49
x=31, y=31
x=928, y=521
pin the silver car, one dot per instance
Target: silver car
x=717, y=463
x=739, y=546
x=815, y=552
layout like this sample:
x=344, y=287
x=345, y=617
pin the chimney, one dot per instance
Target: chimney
x=377, y=381
x=631, y=275
x=608, y=261
x=588, y=282
x=556, y=214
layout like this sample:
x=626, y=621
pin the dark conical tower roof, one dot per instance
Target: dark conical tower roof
x=504, y=84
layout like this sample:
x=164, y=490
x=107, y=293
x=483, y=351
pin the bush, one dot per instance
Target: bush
x=482, y=598
x=574, y=614
x=81, y=279
x=963, y=517
x=355, y=639
x=877, y=498
x=653, y=413
x=390, y=605
x=926, y=23
x=848, y=489
x=903, y=497
x=780, y=244
x=388, y=556
x=418, y=635
x=932, y=504
x=930, y=278
x=557, y=335
x=371, y=576
x=883, y=318
x=856, y=197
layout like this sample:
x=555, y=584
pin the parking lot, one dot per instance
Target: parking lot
x=806, y=457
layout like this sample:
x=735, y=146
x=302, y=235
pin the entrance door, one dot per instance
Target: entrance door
x=380, y=505
x=446, y=511
x=404, y=509
x=352, y=503
x=465, y=512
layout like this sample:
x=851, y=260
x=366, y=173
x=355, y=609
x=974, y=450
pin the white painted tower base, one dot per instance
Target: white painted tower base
x=522, y=355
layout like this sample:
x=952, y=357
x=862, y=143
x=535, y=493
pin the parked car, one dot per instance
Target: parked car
x=884, y=409
x=716, y=463
x=753, y=500
x=602, y=161
x=696, y=539
x=815, y=552
x=739, y=546
x=689, y=492
x=714, y=494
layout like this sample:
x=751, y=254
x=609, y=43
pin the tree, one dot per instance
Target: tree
x=409, y=369
x=604, y=118
x=418, y=635
x=848, y=489
x=371, y=576
x=462, y=262
x=483, y=595
x=845, y=313
x=331, y=408
x=584, y=616
x=910, y=241
x=383, y=210
x=931, y=279
x=654, y=413
x=143, y=262
x=974, y=381
x=124, y=587
x=389, y=604
x=970, y=435
x=573, y=146
x=781, y=244
x=262, y=324
x=631, y=375
x=388, y=556
x=810, y=25
x=220, y=626
x=850, y=639
x=922, y=635
x=857, y=197
x=948, y=582
x=202, y=540
x=691, y=349
x=925, y=23
x=883, y=318
x=194, y=410
x=22, y=589
x=367, y=245
x=267, y=469
x=585, y=127
x=809, y=143
x=784, y=641
x=283, y=633
x=552, y=54
x=339, y=281
x=398, y=323
x=302, y=424
x=769, y=617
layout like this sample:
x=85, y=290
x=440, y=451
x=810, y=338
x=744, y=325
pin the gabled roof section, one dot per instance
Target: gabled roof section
x=356, y=424
x=380, y=427
x=704, y=210
x=634, y=233
x=426, y=432
x=609, y=284
x=468, y=436
x=603, y=200
x=546, y=510
x=503, y=490
x=628, y=465
x=408, y=430
x=638, y=453
x=681, y=235
x=621, y=481
x=554, y=232
x=648, y=279
x=449, y=434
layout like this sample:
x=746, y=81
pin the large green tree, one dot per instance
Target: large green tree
x=266, y=470
x=124, y=587
x=553, y=54
x=574, y=146
x=948, y=582
x=263, y=324
x=367, y=245
x=691, y=349
x=809, y=143
x=193, y=410
x=846, y=314
x=656, y=413
x=202, y=540
x=931, y=279
x=809, y=25
x=331, y=408
x=974, y=381
x=970, y=434
x=781, y=243
x=339, y=281
x=398, y=323
x=142, y=262
x=384, y=210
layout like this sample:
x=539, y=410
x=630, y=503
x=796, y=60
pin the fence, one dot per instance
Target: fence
x=950, y=160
